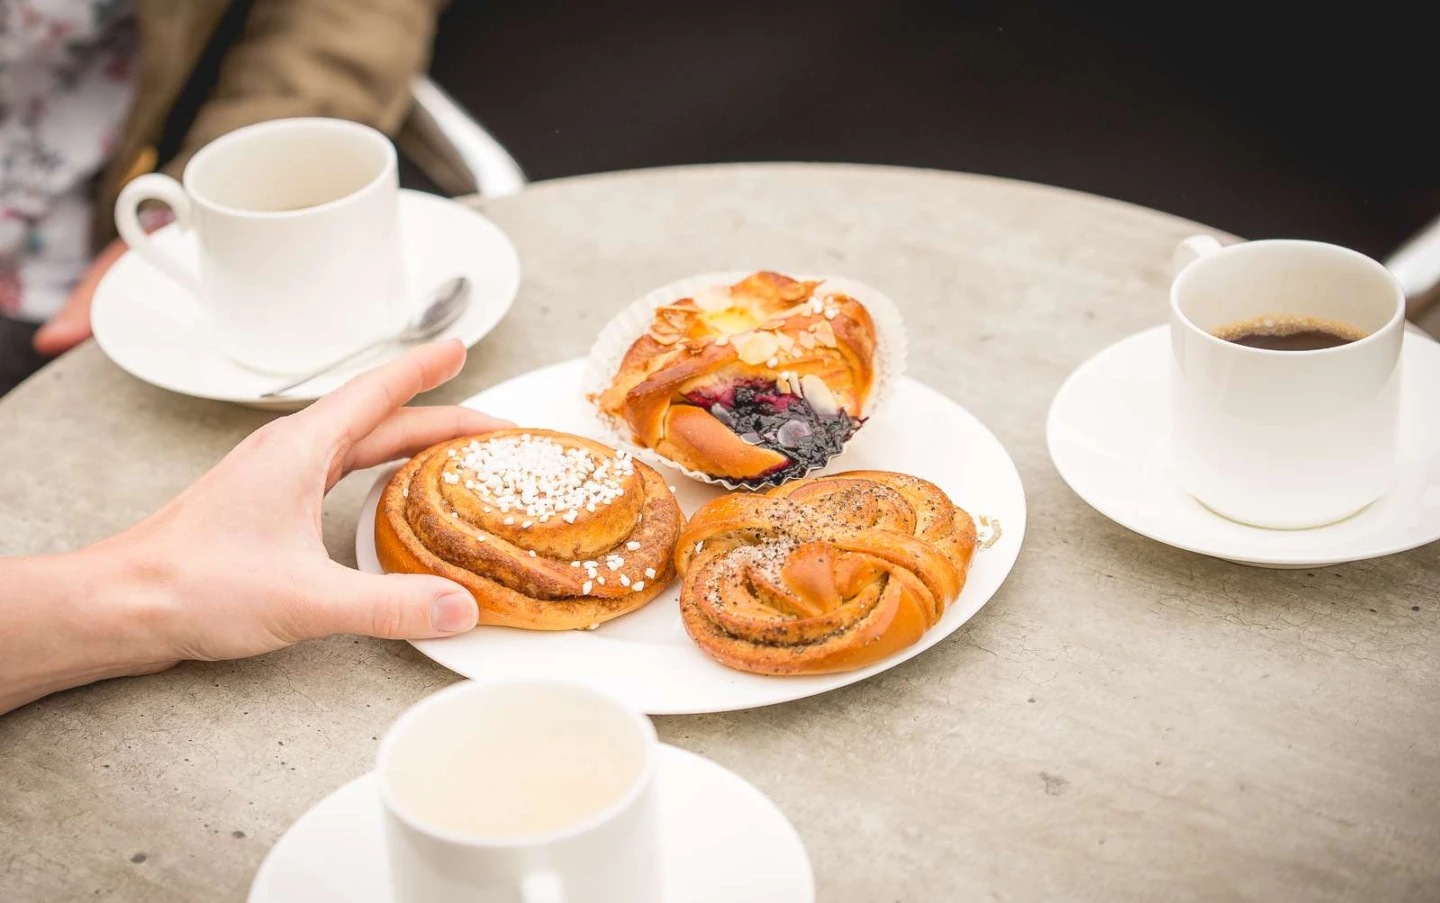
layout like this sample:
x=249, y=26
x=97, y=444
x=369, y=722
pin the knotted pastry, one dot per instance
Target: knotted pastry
x=754, y=382
x=821, y=575
x=548, y=531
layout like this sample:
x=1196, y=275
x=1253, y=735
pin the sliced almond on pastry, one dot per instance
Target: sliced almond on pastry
x=819, y=395
x=825, y=334
x=757, y=347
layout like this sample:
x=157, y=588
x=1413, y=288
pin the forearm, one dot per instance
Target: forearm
x=183, y=583
x=68, y=620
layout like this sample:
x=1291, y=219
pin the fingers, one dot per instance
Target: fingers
x=410, y=430
x=354, y=410
x=66, y=329
x=392, y=606
x=71, y=325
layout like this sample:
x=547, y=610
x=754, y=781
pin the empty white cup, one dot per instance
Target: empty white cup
x=1284, y=439
x=300, y=255
x=521, y=792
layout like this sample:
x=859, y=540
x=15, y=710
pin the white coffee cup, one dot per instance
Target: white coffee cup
x=1284, y=439
x=521, y=792
x=300, y=256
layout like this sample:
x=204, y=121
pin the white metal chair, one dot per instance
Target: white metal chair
x=454, y=150
x=1417, y=266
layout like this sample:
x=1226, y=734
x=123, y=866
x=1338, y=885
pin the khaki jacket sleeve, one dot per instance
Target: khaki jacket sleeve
x=349, y=59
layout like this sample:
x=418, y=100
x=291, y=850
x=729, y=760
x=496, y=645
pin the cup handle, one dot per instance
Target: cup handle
x=1191, y=250
x=155, y=187
x=543, y=887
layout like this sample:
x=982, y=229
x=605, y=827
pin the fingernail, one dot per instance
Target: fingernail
x=453, y=612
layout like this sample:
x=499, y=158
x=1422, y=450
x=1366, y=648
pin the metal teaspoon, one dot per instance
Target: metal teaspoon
x=451, y=300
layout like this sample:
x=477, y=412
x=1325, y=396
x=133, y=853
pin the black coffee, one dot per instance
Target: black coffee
x=1289, y=332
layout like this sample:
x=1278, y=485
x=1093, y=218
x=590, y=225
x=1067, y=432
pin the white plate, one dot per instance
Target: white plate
x=1109, y=435
x=150, y=326
x=336, y=851
x=645, y=657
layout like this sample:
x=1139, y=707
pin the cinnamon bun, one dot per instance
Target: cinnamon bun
x=547, y=530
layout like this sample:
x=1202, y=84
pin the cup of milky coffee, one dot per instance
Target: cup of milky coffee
x=1286, y=379
x=521, y=791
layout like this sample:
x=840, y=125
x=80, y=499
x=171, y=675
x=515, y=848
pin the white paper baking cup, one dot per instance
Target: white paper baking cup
x=634, y=321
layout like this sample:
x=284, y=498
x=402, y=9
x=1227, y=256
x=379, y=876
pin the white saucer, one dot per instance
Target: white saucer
x=1109, y=432
x=336, y=851
x=645, y=657
x=150, y=327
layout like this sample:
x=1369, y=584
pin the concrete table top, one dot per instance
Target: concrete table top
x=1122, y=721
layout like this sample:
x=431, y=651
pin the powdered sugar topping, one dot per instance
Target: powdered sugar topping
x=537, y=477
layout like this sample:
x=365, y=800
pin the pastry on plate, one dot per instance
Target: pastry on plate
x=824, y=574
x=547, y=530
x=754, y=383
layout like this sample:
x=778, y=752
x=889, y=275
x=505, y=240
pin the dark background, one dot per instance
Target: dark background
x=1262, y=121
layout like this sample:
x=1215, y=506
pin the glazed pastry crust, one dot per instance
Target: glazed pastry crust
x=824, y=574
x=764, y=329
x=426, y=525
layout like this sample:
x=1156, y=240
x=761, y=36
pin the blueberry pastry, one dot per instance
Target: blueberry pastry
x=755, y=383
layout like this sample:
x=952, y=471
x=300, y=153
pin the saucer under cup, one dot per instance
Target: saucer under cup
x=1110, y=436
x=724, y=841
x=151, y=327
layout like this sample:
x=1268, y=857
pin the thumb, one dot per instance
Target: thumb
x=390, y=606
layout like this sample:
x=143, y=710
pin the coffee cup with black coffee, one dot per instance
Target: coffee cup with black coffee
x=1286, y=379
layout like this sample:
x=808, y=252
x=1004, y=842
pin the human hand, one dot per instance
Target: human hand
x=236, y=565
x=239, y=556
x=71, y=325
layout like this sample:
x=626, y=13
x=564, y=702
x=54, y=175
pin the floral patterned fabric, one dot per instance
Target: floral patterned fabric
x=65, y=85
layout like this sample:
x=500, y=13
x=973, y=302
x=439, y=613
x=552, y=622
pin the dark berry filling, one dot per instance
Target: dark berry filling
x=760, y=414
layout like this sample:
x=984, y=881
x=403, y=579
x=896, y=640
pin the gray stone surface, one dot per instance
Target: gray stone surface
x=1122, y=721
